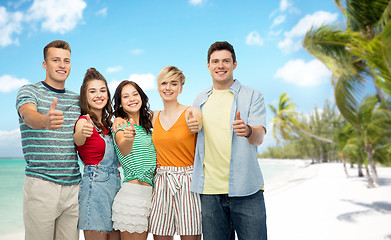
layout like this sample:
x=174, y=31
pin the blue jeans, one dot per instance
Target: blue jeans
x=223, y=215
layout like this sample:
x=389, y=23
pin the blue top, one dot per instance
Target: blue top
x=245, y=176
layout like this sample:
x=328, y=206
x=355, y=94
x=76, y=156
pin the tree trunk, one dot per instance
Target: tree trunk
x=369, y=178
x=311, y=135
x=344, y=166
x=359, y=167
x=369, y=150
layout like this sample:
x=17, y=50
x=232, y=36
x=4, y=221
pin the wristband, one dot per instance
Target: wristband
x=250, y=131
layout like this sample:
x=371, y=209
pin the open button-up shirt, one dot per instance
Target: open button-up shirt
x=245, y=176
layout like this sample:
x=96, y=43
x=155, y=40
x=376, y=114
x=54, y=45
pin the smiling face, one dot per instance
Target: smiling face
x=131, y=101
x=97, y=96
x=169, y=89
x=221, y=67
x=58, y=67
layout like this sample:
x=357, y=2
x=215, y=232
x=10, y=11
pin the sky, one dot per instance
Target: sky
x=134, y=40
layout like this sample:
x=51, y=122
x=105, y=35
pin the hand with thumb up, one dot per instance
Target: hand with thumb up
x=88, y=127
x=239, y=126
x=54, y=118
x=130, y=132
x=192, y=122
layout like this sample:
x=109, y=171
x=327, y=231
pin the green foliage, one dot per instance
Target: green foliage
x=349, y=143
x=305, y=137
x=360, y=51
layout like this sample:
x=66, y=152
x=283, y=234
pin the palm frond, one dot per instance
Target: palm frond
x=329, y=45
x=364, y=15
x=348, y=93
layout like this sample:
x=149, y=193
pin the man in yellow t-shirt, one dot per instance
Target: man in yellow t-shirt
x=226, y=170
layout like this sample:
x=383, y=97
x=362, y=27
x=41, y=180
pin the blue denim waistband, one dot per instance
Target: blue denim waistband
x=95, y=168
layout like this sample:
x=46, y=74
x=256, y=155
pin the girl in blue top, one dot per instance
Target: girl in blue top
x=137, y=155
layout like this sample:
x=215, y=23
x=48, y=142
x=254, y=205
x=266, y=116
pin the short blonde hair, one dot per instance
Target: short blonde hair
x=171, y=73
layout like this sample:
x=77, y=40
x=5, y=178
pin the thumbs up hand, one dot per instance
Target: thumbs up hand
x=54, y=118
x=239, y=126
x=130, y=132
x=192, y=122
x=87, y=127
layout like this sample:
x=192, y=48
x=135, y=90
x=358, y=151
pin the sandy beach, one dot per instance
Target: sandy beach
x=319, y=202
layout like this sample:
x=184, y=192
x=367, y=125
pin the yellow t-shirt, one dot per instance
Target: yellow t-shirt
x=216, y=115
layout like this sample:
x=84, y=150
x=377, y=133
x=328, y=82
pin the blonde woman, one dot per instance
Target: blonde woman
x=175, y=210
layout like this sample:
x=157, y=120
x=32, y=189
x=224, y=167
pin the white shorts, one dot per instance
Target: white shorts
x=131, y=208
x=174, y=208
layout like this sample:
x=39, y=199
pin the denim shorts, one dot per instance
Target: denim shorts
x=98, y=188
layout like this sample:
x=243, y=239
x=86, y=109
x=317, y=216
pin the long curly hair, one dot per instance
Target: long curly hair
x=145, y=111
x=107, y=111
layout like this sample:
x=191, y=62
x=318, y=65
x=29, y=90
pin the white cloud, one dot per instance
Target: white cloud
x=10, y=24
x=9, y=83
x=305, y=74
x=57, y=15
x=195, y=2
x=10, y=144
x=114, y=69
x=288, y=45
x=284, y=4
x=137, y=51
x=9, y=137
x=294, y=36
x=102, y=12
x=145, y=81
x=253, y=38
x=278, y=20
x=287, y=6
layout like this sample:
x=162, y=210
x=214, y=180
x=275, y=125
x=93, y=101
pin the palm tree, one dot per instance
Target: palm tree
x=285, y=120
x=360, y=50
x=375, y=128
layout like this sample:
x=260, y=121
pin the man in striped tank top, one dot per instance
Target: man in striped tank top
x=47, y=114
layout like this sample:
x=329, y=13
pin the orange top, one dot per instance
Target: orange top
x=176, y=146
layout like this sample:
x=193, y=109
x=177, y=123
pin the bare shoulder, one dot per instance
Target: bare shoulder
x=154, y=116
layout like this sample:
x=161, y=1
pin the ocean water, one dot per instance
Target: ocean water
x=12, y=180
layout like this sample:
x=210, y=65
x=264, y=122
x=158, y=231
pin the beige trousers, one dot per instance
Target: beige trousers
x=50, y=210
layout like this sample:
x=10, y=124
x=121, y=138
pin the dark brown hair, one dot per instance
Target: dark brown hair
x=107, y=111
x=217, y=46
x=145, y=112
x=56, y=44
